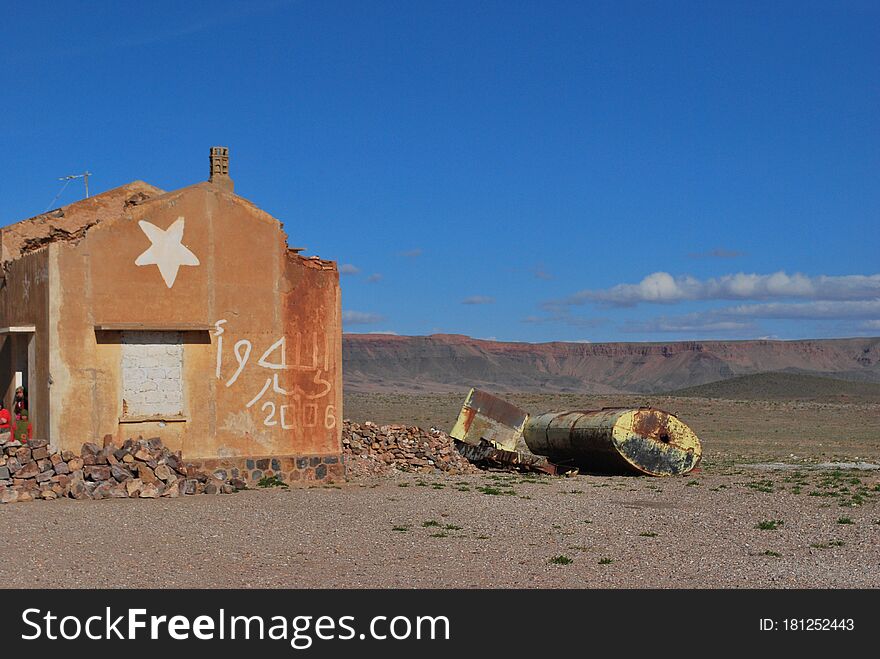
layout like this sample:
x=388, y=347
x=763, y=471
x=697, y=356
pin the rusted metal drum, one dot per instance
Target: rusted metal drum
x=616, y=440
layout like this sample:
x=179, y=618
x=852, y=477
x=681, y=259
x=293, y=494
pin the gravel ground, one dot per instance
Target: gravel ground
x=439, y=531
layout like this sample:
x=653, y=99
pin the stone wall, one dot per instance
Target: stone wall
x=141, y=468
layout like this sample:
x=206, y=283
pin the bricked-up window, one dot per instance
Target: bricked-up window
x=152, y=373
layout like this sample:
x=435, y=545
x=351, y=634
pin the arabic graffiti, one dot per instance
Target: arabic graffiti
x=297, y=404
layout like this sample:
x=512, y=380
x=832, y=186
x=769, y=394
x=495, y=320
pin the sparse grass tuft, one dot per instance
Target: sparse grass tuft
x=440, y=534
x=606, y=561
x=769, y=524
x=562, y=559
x=844, y=520
x=452, y=527
x=271, y=481
x=692, y=483
x=400, y=529
x=772, y=553
x=648, y=534
x=430, y=522
x=495, y=491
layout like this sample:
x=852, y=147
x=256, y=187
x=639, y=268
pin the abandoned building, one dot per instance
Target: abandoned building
x=182, y=315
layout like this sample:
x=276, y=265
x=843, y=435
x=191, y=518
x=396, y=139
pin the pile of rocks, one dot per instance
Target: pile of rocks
x=371, y=449
x=141, y=468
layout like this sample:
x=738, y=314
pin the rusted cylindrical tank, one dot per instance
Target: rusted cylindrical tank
x=616, y=440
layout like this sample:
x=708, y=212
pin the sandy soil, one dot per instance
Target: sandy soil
x=501, y=530
x=730, y=430
x=488, y=530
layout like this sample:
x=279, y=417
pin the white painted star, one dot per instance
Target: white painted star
x=166, y=250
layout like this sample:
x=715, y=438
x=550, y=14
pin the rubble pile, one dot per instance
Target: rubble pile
x=371, y=449
x=141, y=468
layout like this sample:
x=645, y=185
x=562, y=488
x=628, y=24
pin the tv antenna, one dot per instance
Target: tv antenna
x=67, y=179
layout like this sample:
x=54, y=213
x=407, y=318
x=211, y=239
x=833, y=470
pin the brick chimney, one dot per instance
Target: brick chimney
x=220, y=168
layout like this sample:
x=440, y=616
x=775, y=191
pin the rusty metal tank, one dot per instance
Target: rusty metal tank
x=644, y=440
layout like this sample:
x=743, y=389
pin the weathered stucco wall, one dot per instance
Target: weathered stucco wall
x=260, y=326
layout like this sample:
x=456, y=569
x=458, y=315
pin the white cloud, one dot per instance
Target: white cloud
x=349, y=269
x=361, y=318
x=373, y=278
x=478, y=299
x=663, y=288
x=806, y=310
x=688, y=323
x=742, y=317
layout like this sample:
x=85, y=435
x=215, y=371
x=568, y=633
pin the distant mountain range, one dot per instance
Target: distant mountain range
x=451, y=362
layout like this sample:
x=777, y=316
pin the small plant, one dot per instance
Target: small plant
x=440, y=534
x=403, y=485
x=430, y=522
x=606, y=561
x=774, y=554
x=271, y=481
x=769, y=524
x=826, y=545
x=495, y=491
x=844, y=520
x=576, y=492
x=562, y=559
x=692, y=483
x=588, y=521
x=400, y=529
x=463, y=488
x=482, y=537
x=452, y=527
x=438, y=486
x=648, y=534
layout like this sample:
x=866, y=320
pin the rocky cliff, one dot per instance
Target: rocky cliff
x=443, y=362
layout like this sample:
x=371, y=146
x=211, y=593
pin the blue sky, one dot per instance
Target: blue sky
x=529, y=171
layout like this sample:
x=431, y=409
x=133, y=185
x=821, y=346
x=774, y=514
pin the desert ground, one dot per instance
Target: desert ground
x=736, y=522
